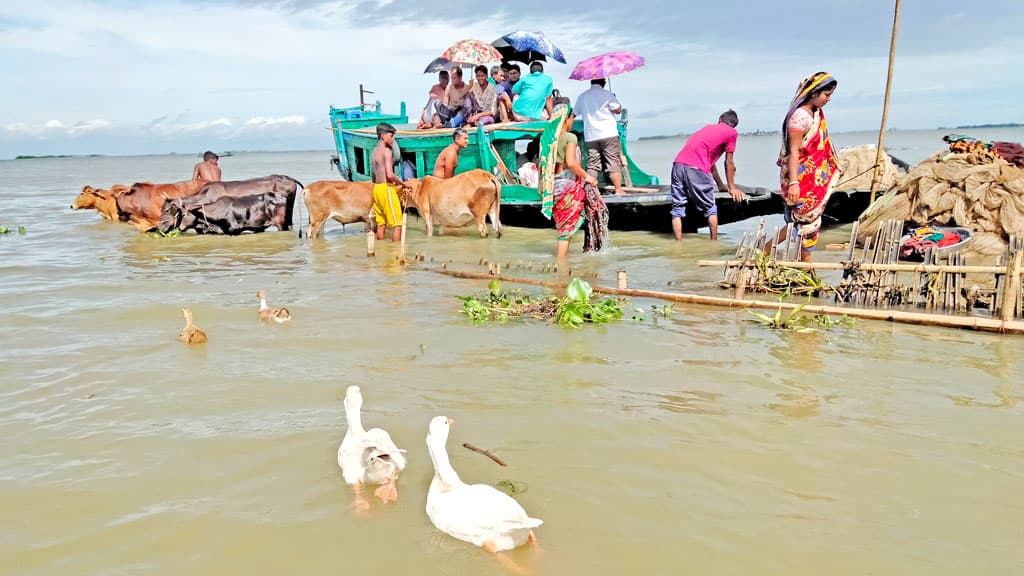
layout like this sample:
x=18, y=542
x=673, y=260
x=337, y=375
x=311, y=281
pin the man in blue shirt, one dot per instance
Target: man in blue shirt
x=534, y=101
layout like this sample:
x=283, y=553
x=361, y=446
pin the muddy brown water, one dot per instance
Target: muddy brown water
x=701, y=442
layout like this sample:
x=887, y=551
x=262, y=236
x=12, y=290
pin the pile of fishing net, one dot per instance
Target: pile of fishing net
x=975, y=189
x=857, y=163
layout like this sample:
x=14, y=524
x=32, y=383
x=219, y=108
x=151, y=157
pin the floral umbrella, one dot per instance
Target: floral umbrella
x=472, y=52
x=606, y=65
x=527, y=47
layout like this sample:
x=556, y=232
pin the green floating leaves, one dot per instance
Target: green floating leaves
x=573, y=310
x=511, y=487
x=797, y=321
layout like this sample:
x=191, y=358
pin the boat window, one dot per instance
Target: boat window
x=360, y=159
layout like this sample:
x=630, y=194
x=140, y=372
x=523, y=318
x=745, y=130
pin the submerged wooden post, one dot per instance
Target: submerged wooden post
x=371, y=238
x=621, y=280
x=885, y=104
x=1011, y=292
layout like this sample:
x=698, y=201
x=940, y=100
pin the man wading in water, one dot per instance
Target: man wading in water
x=387, y=209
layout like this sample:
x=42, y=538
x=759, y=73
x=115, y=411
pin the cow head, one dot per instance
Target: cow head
x=189, y=216
x=411, y=193
x=171, y=215
x=86, y=198
x=89, y=196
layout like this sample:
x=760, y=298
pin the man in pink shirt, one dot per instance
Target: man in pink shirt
x=694, y=175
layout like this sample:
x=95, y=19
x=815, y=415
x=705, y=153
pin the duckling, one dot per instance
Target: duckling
x=268, y=314
x=191, y=334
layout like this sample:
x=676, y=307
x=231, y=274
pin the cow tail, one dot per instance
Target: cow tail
x=496, y=209
x=299, y=218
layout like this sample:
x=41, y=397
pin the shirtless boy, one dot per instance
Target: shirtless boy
x=207, y=169
x=387, y=208
x=448, y=159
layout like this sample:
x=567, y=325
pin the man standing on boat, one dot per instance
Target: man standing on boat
x=534, y=101
x=387, y=208
x=207, y=170
x=695, y=177
x=598, y=108
x=448, y=159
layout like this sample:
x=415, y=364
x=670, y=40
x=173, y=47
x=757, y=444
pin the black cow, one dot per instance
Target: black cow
x=173, y=211
x=232, y=215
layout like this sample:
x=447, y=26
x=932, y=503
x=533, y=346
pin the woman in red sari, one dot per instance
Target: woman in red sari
x=577, y=201
x=808, y=160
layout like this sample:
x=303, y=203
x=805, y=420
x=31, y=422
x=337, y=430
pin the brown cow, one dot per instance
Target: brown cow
x=103, y=201
x=459, y=200
x=142, y=204
x=345, y=202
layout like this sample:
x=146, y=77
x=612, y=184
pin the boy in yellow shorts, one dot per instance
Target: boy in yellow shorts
x=387, y=208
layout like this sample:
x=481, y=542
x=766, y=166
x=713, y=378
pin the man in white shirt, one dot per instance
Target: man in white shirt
x=598, y=108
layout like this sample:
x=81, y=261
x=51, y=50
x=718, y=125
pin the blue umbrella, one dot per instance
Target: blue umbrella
x=527, y=47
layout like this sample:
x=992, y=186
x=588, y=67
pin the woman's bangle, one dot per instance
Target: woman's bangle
x=792, y=183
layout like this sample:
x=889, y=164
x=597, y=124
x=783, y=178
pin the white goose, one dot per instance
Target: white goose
x=368, y=456
x=475, y=513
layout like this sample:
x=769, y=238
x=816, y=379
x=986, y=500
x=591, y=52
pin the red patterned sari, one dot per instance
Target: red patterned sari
x=817, y=170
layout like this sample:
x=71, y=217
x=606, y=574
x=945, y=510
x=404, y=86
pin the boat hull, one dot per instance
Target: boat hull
x=651, y=211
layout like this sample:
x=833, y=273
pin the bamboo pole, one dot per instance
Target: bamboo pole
x=1013, y=272
x=968, y=322
x=885, y=105
x=871, y=267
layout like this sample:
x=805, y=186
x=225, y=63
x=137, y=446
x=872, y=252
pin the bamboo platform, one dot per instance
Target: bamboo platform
x=874, y=277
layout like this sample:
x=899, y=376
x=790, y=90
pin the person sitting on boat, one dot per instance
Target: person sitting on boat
x=503, y=103
x=454, y=97
x=480, y=103
x=695, y=176
x=807, y=161
x=534, y=101
x=207, y=170
x=430, y=117
x=575, y=197
x=448, y=159
x=387, y=208
x=598, y=108
x=512, y=74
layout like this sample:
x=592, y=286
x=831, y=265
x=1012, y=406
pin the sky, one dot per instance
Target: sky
x=150, y=77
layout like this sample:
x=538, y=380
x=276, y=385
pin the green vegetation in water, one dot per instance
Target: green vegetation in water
x=573, y=309
x=779, y=279
x=511, y=487
x=20, y=229
x=797, y=321
x=161, y=234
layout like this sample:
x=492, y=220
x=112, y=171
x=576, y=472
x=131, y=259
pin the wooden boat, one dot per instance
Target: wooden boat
x=500, y=149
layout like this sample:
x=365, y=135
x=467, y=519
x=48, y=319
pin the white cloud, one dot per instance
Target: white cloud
x=87, y=126
x=263, y=122
x=164, y=127
x=54, y=124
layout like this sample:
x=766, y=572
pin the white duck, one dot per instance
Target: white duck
x=475, y=513
x=368, y=456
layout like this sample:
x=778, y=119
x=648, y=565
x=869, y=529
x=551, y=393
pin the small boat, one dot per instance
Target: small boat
x=940, y=241
x=501, y=149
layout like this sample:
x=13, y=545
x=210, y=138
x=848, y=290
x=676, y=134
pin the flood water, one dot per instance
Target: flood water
x=700, y=443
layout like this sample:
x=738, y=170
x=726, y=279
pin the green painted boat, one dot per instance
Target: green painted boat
x=500, y=149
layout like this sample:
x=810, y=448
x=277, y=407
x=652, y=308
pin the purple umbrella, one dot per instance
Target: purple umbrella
x=606, y=65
